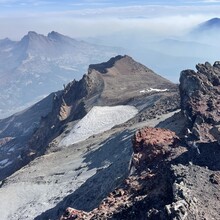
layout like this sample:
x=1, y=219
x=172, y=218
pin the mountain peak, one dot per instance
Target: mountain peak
x=5, y=41
x=213, y=23
x=32, y=34
x=54, y=35
x=102, y=67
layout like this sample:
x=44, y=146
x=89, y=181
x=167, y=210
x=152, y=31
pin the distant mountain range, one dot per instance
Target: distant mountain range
x=37, y=65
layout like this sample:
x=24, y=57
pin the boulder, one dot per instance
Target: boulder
x=150, y=145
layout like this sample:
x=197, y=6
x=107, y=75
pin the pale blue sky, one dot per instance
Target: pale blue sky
x=74, y=4
x=84, y=18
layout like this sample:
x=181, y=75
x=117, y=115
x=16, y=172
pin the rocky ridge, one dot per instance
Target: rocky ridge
x=200, y=100
x=174, y=175
x=120, y=84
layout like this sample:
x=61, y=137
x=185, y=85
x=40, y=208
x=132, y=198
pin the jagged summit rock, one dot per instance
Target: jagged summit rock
x=58, y=38
x=200, y=99
x=54, y=34
x=103, y=67
x=135, y=198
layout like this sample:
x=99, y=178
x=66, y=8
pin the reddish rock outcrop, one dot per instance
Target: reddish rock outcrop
x=136, y=197
x=150, y=145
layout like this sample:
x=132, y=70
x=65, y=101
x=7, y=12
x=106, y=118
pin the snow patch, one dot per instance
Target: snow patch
x=68, y=68
x=98, y=119
x=153, y=90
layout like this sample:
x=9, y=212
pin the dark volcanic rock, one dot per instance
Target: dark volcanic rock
x=175, y=177
x=143, y=194
x=164, y=184
x=200, y=100
x=103, y=67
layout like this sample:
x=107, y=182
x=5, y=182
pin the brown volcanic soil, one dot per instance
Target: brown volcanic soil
x=124, y=78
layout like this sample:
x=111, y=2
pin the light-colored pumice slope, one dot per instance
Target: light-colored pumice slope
x=82, y=173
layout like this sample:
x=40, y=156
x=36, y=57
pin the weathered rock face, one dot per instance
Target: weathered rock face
x=164, y=184
x=71, y=214
x=143, y=194
x=151, y=145
x=200, y=100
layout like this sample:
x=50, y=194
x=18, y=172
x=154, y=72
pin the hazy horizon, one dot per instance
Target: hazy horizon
x=87, y=18
x=136, y=26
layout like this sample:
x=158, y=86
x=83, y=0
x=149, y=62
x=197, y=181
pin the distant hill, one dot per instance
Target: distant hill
x=209, y=25
x=37, y=65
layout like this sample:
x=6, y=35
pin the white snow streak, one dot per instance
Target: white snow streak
x=153, y=90
x=99, y=119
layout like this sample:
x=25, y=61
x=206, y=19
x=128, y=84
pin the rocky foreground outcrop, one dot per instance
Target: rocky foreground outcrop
x=200, y=101
x=173, y=176
x=145, y=191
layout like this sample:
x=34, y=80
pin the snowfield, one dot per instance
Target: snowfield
x=98, y=119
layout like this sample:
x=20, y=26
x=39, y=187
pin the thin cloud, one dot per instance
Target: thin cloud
x=211, y=1
x=85, y=22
